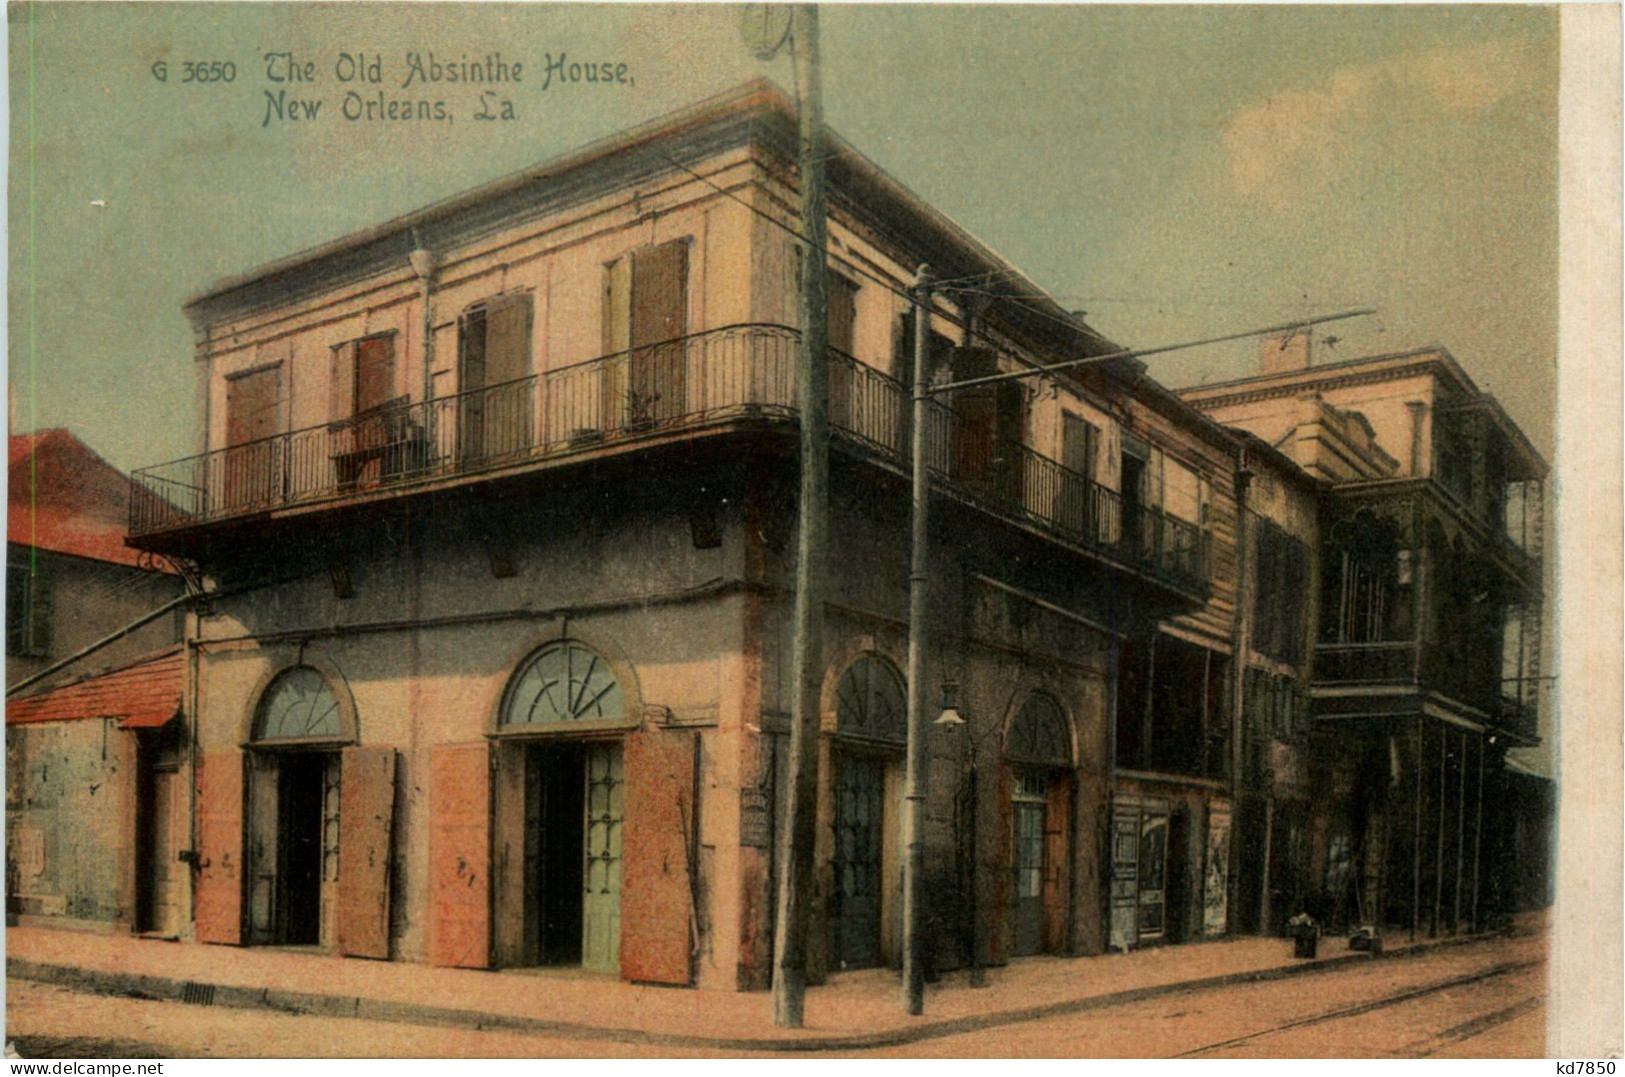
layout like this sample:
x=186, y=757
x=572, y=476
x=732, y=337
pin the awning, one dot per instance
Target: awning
x=143, y=695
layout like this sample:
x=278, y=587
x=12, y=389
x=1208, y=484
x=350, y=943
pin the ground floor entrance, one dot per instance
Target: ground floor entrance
x=863, y=913
x=162, y=814
x=1139, y=886
x=561, y=811
x=293, y=847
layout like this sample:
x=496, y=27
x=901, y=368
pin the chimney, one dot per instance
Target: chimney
x=1284, y=352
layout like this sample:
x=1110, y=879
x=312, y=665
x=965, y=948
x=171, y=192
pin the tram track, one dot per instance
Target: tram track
x=1461, y=1032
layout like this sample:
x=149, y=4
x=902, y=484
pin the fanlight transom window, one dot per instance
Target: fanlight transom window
x=1039, y=734
x=567, y=682
x=298, y=705
x=871, y=702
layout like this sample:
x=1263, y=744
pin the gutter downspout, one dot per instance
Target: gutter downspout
x=423, y=264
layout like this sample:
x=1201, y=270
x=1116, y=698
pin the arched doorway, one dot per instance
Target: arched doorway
x=1038, y=762
x=560, y=811
x=871, y=727
x=299, y=726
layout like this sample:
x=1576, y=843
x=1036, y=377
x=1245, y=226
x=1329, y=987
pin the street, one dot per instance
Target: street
x=1484, y=1000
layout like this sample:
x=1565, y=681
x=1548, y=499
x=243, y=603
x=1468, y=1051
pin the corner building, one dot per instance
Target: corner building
x=494, y=506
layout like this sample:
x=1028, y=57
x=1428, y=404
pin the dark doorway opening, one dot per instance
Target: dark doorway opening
x=300, y=794
x=554, y=881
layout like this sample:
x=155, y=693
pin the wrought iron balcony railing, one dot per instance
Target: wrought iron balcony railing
x=707, y=379
x=1511, y=704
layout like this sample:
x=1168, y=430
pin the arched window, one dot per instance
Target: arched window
x=298, y=704
x=1039, y=734
x=871, y=702
x=565, y=682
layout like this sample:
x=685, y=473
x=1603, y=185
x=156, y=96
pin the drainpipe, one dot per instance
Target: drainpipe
x=423, y=264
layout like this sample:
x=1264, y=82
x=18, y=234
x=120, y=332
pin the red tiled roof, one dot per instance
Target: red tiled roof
x=143, y=695
x=66, y=499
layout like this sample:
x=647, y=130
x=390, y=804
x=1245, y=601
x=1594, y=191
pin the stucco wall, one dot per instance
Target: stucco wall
x=67, y=812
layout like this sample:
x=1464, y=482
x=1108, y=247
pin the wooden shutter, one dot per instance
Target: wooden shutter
x=843, y=310
x=341, y=383
x=459, y=855
x=659, y=313
x=1058, y=864
x=509, y=871
x=366, y=827
x=658, y=932
x=507, y=338
x=219, y=898
x=374, y=373
x=659, y=293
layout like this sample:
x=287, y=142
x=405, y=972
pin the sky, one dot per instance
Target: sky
x=1174, y=172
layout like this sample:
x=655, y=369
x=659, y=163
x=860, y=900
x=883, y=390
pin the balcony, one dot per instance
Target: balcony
x=688, y=386
x=1406, y=664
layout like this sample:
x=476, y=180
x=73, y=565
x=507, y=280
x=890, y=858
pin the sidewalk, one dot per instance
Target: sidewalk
x=854, y=1011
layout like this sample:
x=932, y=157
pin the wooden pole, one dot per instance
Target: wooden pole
x=812, y=396
x=918, y=601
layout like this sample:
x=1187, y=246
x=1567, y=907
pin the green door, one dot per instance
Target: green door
x=601, y=900
x=1031, y=799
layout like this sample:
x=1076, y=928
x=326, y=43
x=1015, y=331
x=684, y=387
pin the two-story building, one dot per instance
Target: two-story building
x=1426, y=664
x=95, y=805
x=495, y=503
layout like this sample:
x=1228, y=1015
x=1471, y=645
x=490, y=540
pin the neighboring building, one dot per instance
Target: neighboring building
x=83, y=759
x=1427, y=656
x=497, y=501
x=70, y=579
x=1276, y=812
x=97, y=813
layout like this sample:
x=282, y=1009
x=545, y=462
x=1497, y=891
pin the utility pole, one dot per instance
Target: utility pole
x=812, y=547
x=918, y=596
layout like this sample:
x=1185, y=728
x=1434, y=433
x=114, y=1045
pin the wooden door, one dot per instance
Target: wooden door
x=601, y=873
x=166, y=820
x=250, y=463
x=859, y=836
x=1125, y=899
x=1152, y=867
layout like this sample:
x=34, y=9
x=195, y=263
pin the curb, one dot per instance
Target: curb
x=165, y=989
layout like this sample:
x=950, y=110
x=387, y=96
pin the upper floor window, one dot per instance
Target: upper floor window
x=1366, y=583
x=1280, y=586
x=363, y=376
x=843, y=313
x=494, y=403
x=645, y=319
x=253, y=399
x=28, y=610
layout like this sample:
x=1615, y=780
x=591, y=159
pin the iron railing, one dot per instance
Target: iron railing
x=723, y=375
x=1512, y=704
